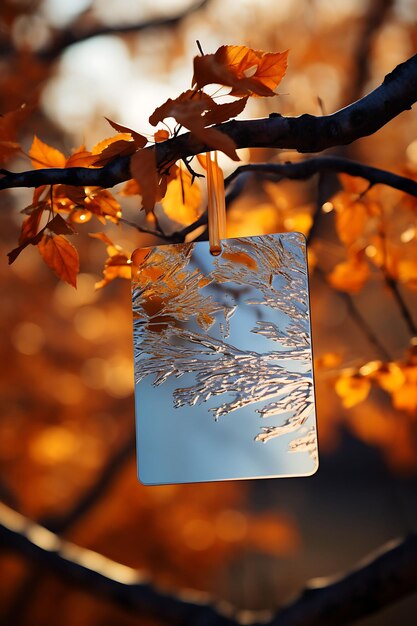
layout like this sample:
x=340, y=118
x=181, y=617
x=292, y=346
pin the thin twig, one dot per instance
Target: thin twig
x=302, y=170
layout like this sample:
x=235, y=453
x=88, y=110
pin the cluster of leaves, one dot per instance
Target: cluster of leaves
x=397, y=378
x=56, y=210
x=360, y=222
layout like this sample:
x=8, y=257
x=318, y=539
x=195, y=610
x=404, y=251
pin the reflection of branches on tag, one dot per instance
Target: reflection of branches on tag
x=277, y=382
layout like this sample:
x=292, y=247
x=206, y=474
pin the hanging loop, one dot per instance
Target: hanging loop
x=216, y=203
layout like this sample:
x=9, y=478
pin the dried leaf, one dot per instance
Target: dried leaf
x=102, y=237
x=140, y=140
x=30, y=225
x=103, y=204
x=81, y=158
x=116, y=149
x=161, y=135
x=61, y=256
x=195, y=111
x=143, y=170
x=222, y=112
x=59, y=226
x=104, y=143
x=43, y=155
x=249, y=72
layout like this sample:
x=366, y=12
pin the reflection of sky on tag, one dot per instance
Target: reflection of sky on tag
x=186, y=444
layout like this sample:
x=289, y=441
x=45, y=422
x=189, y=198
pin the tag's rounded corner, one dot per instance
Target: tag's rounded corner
x=315, y=468
x=143, y=479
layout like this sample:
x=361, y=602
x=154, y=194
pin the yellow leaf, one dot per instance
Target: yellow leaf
x=352, y=389
x=43, y=155
x=390, y=377
x=105, y=143
x=182, y=200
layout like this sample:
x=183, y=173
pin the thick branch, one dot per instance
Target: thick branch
x=306, y=133
x=382, y=579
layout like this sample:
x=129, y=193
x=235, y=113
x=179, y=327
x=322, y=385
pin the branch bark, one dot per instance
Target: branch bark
x=306, y=133
x=375, y=583
x=305, y=169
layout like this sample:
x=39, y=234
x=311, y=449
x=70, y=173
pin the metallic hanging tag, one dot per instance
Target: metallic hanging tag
x=223, y=361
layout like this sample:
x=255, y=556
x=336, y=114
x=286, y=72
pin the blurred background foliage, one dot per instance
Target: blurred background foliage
x=67, y=420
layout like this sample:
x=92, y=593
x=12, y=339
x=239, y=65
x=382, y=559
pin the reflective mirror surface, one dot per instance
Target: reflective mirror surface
x=223, y=363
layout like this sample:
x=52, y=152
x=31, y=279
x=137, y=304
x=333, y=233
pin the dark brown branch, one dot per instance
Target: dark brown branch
x=405, y=313
x=306, y=133
x=382, y=579
x=305, y=169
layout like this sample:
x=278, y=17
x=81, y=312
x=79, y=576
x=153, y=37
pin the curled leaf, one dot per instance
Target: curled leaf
x=140, y=140
x=249, y=72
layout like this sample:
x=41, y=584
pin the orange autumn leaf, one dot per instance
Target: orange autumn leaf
x=350, y=275
x=351, y=221
x=405, y=398
x=116, y=149
x=195, y=111
x=117, y=266
x=352, y=389
x=143, y=170
x=80, y=158
x=43, y=155
x=241, y=258
x=390, y=377
x=249, y=72
x=30, y=225
x=76, y=194
x=182, y=199
x=118, y=263
x=29, y=237
x=140, y=140
x=161, y=135
x=130, y=188
x=61, y=256
x=105, y=143
x=103, y=204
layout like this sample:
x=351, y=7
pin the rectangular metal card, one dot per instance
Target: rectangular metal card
x=223, y=361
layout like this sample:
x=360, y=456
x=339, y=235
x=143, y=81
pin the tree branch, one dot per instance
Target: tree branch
x=305, y=169
x=76, y=32
x=306, y=133
x=382, y=579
